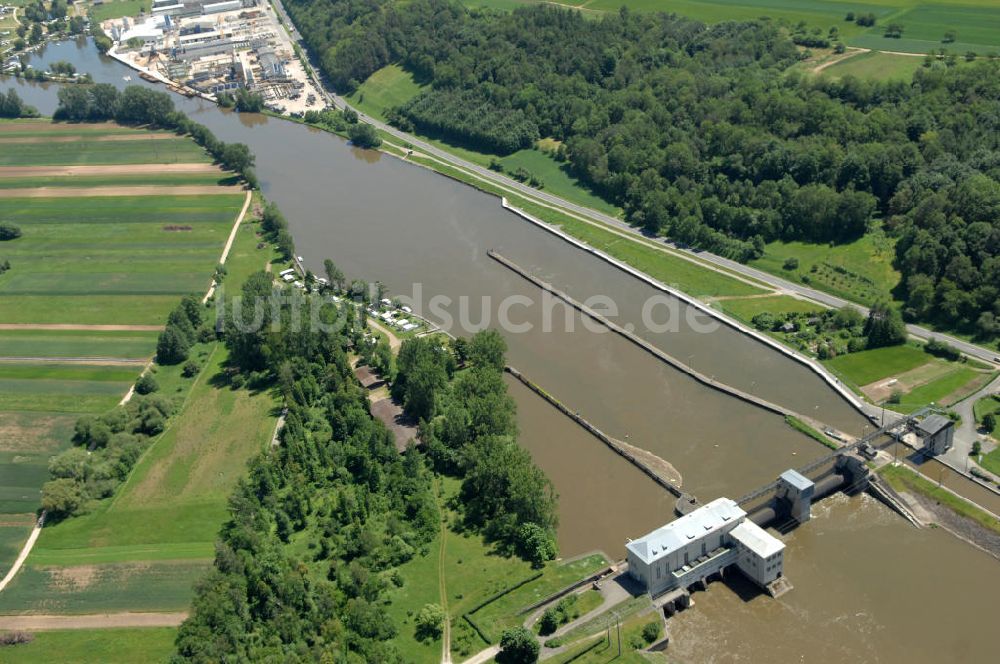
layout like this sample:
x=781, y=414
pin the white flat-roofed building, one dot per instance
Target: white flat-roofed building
x=702, y=543
x=217, y=7
x=199, y=37
x=759, y=555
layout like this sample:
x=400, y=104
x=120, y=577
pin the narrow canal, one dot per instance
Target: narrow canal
x=868, y=587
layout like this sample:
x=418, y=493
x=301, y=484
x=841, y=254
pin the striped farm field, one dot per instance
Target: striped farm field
x=76, y=343
x=173, y=150
x=160, y=179
x=116, y=225
x=111, y=588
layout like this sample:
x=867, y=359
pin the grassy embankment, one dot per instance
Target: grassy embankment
x=902, y=478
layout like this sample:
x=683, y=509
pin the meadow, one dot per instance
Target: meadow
x=923, y=378
x=119, y=8
x=473, y=572
x=746, y=308
x=876, y=66
x=860, y=271
x=105, y=646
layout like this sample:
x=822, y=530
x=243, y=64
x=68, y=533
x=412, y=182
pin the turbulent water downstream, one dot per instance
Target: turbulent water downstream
x=868, y=587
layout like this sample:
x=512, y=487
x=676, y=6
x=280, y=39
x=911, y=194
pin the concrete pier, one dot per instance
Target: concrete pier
x=616, y=446
x=648, y=347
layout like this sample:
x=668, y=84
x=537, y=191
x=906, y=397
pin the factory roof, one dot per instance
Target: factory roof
x=755, y=538
x=716, y=515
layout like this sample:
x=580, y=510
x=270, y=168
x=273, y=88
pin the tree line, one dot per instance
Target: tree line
x=702, y=134
x=138, y=105
x=12, y=106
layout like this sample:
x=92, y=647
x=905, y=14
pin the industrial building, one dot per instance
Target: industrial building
x=937, y=432
x=702, y=543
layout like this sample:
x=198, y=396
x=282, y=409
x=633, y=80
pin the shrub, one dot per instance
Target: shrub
x=518, y=646
x=791, y=263
x=651, y=631
x=364, y=135
x=430, y=622
x=16, y=638
x=549, y=622
x=9, y=232
x=989, y=423
x=190, y=369
x=146, y=384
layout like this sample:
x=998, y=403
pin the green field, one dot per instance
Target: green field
x=27, y=439
x=98, y=646
x=860, y=271
x=976, y=22
x=506, y=611
x=869, y=366
x=119, y=8
x=11, y=540
x=84, y=152
x=388, y=87
x=135, y=586
x=473, y=572
x=985, y=406
x=977, y=28
x=176, y=494
x=76, y=343
x=89, y=252
x=89, y=261
x=392, y=86
x=877, y=66
x=746, y=309
x=137, y=180
x=937, y=391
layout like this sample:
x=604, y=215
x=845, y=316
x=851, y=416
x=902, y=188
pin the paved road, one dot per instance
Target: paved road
x=979, y=352
x=966, y=433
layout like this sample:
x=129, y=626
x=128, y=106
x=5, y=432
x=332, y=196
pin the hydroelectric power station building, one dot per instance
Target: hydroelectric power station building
x=704, y=542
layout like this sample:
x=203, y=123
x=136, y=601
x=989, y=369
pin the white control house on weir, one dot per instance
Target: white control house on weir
x=701, y=543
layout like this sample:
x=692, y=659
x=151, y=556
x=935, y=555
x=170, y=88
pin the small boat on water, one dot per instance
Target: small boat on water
x=126, y=78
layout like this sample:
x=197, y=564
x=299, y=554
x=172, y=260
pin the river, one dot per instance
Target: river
x=380, y=218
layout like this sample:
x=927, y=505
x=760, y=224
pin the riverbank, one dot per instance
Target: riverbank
x=940, y=505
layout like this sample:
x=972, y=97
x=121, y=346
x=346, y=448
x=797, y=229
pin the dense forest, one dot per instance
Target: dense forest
x=316, y=530
x=701, y=133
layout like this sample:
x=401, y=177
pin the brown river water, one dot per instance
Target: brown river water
x=868, y=587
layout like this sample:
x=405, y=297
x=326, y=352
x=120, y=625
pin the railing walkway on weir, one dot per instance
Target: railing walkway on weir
x=905, y=420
